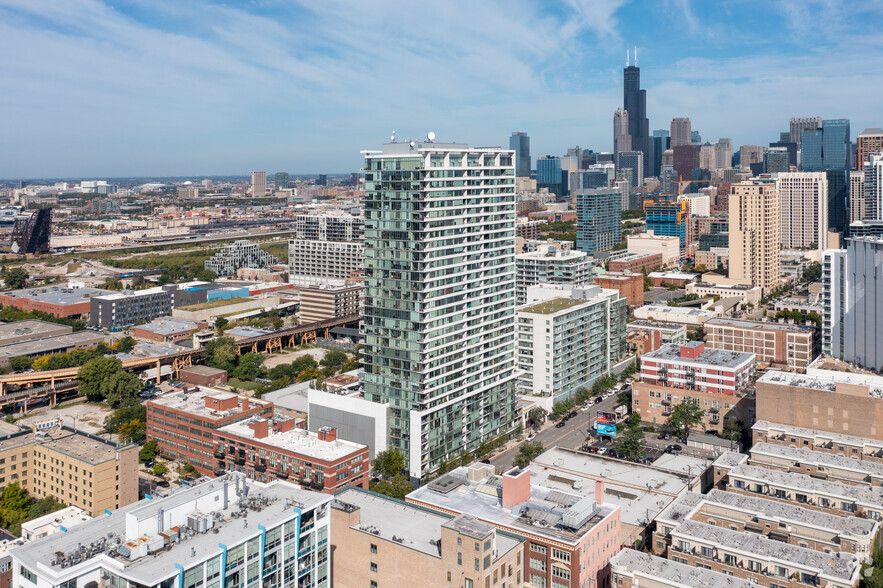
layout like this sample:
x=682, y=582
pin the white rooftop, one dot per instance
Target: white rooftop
x=666, y=572
x=300, y=441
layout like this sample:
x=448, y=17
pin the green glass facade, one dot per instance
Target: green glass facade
x=439, y=312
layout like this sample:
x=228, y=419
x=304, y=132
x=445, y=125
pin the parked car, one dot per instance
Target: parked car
x=674, y=447
x=602, y=451
x=560, y=424
x=682, y=440
x=665, y=436
x=599, y=399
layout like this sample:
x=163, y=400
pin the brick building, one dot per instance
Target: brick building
x=820, y=441
x=636, y=262
x=59, y=301
x=778, y=343
x=629, y=286
x=644, y=341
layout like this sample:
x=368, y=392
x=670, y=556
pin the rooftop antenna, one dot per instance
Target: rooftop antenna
x=627, y=62
x=636, y=56
x=393, y=138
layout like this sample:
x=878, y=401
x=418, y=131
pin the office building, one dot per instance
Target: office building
x=749, y=155
x=774, y=343
x=632, y=569
x=71, y=301
x=798, y=125
x=852, y=302
x=325, y=259
x=669, y=219
x=549, y=264
x=699, y=205
x=634, y=101
x=570, y=548
x=330, y=227
x=241, y=254
x=265, y=449
x=553, y=174
x=803, y=201
x=166, y=329
x=685, y=158
x=776, y=160
x=184, y=193
x=321, y=302
x=636, y=263
x=586, y=337
x=857, y=202
x=633, y=161
x=754, y=224
x=790, y=148
x=77, y=468
x=681, y=133
x=230, y=531
x=258, y=184
x=598, y=219
x=203, y=411
x=520, y=144
x=659, y=143
x=869, y=142
x=280, y=181
x=669, y=247
x=427, y=300
x=873, y=187
x=622, y=141
x=390, y=544
x=629, y=285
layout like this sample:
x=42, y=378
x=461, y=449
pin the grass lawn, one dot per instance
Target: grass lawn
x=236, y=383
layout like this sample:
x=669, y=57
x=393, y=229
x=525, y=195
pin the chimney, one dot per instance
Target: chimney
x=516, y=487
x=327, y=434
x=261, y=428
x=244, y=403
x=599, y=492
x=283, y=426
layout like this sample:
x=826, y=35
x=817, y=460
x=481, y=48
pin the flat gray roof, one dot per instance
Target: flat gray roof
x=31, y=329
x=827, y=382
x=760, y=325
x=58, y=295
x=873, y=469
x=865, y=495
x=709, y=357
x=851, y=440
x=55, y=344
x=168, y=325
x=629, y=562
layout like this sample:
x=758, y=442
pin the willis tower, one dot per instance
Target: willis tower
x=634, y=100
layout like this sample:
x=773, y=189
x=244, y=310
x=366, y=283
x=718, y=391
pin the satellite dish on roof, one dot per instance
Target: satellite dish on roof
x=430, y=136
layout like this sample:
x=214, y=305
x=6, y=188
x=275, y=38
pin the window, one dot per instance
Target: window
x=561, y=555
x=477, y=564
x=373, y=584
x=459, y=559
x=373, y=548
x=373, y=567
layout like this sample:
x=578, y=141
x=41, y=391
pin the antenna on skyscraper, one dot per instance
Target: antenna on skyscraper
x=627, y=63
x=636, y=56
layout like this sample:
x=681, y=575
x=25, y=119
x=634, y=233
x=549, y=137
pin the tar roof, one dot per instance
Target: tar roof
x=629, y=562
x=827, y=382
x=194, y=402
x=768, y=426
x=50, y=344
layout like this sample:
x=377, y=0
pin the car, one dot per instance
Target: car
x=560, y=424
x=572, y=414
x=163, y=483
x=598, y=399
x=682, y=440
x=660, y=436
x=602, y=451
x=585, y=408
x=594, y=449
x=674, y=447
x=530, y=437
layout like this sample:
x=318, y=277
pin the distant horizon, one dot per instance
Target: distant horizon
x=194, y=178
x=119, y=89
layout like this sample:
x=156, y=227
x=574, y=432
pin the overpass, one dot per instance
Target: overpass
x=50, y=382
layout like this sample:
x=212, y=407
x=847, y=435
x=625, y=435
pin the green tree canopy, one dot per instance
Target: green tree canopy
x=527, y=453
x=104, y=379
x=536, y=417
x=685, y=415
x=389, y=463
x=221, y=353
x=16, y=278
x=22, y=362
x=630, y=441
x=250, y=366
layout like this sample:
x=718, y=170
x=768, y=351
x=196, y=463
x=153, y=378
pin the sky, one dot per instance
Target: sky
x=192, y=88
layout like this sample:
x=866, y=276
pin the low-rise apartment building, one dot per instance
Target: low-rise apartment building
x=636, y=262
x=682, y=315
x=821, y=441
x=77, y=468
x=321, y=302
x=746, y=293
x=629, y=286
x=672, y=278
x=668, y=332
x=387, y=543
x=634, y=569
x=774, y=343
x=227, y=531
x=265, y=449
x=183, y=423
x=569, y=539
x=817, y=464
x=788, y=523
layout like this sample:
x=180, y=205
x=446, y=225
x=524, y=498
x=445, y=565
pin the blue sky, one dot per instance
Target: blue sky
x=169, y=87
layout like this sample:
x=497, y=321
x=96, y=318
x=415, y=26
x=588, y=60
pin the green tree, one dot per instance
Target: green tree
x=124, y=345
x=16, y=278
x=685, y=415
x=22, y=362
x=333, y=359
x=121, y=416
x=536, y=417
x=148, y=452
x=220, y=323
x=221, y=353
x=104, y=379
x=398, y=486
x=135, y=431
x=14, y=497
x=160, y=469
x=527, y=453
x=251, y=366
x=812, y=272
x=630, y=442
x=388, y=464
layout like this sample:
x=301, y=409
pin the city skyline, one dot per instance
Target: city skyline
x=115, y=90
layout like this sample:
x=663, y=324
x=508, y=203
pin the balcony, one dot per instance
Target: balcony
x=260, y=467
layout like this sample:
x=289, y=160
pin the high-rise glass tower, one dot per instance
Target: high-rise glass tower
x=280, y=181
x=659, y=142
x=622, y=141
x=439, y=313
x=520, y=143
x=634, y=100
x=598, y=219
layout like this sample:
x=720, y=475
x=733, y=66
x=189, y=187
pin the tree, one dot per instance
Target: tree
x=527, y=453
x=397, y=487
x=135, y=431
x=103, y=378
x=811, y=273
x=121, y=389
x=16, y=278
x=630, y=442
x=148, y=452
x=251, y=366
x=221, y=353
x=220, y=323
x=14, y=497
x=125, y=415
x=685, y=415
x=124, y=345
x=160, y=469
x=333, y=359
x=22, y=362
x=536, y=417
x=388, y=463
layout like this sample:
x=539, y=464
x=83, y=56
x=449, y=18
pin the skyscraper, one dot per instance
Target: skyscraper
x=258, y=184
x=598, y=219
x=857, y=205
x=520, y=143
x=669, y=219
x=873, y=187
x=440, y=297
x=754, y=234
x=749, y=154
x=870, y=141
x=827, y=149
x=681, y=133
x=659, y=142
x=281, y=180
x=798, y=125
x=803, y=198
x=622, y=141
x=634, y=100
x=633, y=161
x=776, y=160
x=836, y=144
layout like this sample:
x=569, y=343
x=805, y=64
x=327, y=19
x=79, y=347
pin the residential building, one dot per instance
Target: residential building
x=584, y=335
x=754, y=228
x=746, y=293
x=325, y=259
x=395, y=544
x=681, y=132
x=427, y=301
x=573, y=545
x=803, y=202
x=648, y=242
x=280, y=181
x=630, y=286
x=71, y=301
x=818, y=464
x=634, y=162
x=789, y=523
x=837, y=402
x=553, y=174
x=634, y=101
x=188, y=192
x=631, y=569
x=670, y=219
x=193, y=536
x=549, y=264
x=857, y=202
x=598, y=219
x=641, y=341
x=528, y=229
x=852, y=302
x=774, y=343
x=798, y=125
x=685, y=158
x=622, y=141
x=323, y=302
x=520, y=144
x=836, y=444
x=692, y=317
x=330, y=227
x=58, y=521
x=828, y=150
x=240, y=254
x=258, y=184
x=672, y=278
x=599, y=175
x=870, y=142
x=264, y=449
x=698, y=205
x=77, y=468
x=668, y=332
x=202, y=411
x=873, y=189
x=636, y=263
x=116, y=310
x=717, y=381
